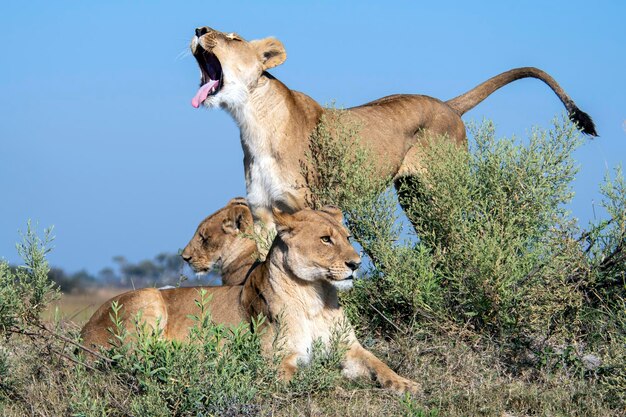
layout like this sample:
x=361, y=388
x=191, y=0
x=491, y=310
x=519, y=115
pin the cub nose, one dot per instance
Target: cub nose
x=201, y=31
x=353, y=265
x=186, y=257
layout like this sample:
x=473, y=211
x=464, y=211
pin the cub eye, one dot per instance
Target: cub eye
x=326, y=239
x=203, y=239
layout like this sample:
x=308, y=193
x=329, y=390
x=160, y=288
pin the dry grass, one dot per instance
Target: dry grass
x=459, y=378
x=78, y=307
x=461, y=373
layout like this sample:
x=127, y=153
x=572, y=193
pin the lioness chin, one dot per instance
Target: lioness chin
x=276, y=123
x=295, y=288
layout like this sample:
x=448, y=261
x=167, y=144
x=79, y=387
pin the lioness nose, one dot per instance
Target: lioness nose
x=353, y=265
x=201, y=31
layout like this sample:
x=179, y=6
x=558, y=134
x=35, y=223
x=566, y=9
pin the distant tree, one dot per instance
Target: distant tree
x=78, y=281
x=108, y=277
x=164, y=269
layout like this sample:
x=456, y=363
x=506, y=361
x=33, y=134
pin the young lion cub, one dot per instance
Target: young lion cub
x=295, y=289
x=219, y=242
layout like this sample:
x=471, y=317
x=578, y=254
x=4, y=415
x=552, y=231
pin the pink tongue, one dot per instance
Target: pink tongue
x=203, y=93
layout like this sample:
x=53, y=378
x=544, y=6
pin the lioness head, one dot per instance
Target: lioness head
x=230, y=66
x=218, y=237
x=317, y=246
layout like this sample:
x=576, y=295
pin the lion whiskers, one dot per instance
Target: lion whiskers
x=183, y=54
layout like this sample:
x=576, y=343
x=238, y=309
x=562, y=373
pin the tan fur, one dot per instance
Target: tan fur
x=295, y=289
x=276, y=123
x=220, y=242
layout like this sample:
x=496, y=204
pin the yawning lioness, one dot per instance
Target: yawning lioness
x=276, y=123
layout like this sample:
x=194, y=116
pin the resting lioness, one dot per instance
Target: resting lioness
x=276, y=123
x=295, y=289
x=220, y=242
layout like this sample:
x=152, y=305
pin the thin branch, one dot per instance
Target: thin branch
x=63, y=355
x=68, y=340
x=588, y=234
x=610, y=260
x=387, y=319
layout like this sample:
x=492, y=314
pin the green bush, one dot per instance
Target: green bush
x=220, y=371
x=489, y=217
x=496, y=254
x=499, y=303
x=25, y=291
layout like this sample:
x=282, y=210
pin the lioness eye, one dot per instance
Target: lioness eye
x=326, y=239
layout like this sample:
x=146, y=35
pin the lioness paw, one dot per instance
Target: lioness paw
x=401, y=385
x=287, y=369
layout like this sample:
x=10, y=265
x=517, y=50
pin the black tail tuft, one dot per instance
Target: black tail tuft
x=583, y=121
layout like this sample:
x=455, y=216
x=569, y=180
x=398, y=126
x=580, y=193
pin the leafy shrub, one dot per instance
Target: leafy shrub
x=496, y=252
x=499, y=304
x=26, y=291
x=219, y=371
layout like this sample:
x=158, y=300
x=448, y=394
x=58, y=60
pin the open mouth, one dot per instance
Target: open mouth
x=212, y=78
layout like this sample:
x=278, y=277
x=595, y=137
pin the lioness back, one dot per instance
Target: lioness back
x=169, y=309
x=223, y=304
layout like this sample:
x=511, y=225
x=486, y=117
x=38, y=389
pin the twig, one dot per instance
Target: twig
x=387, y=319
x=430, y=349
x=609, y=261
x=73, y=316
x=67, y=339
x=587, y=234
x=22, y=332
x=63, y=355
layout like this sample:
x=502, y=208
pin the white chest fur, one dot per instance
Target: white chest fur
x=310, y=333
x=315, y=323
x=266, y=184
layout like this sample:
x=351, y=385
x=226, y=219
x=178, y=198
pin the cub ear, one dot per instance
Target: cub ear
x=271, y=52
x=334, y=212
x=239, y=220
x=284, y=222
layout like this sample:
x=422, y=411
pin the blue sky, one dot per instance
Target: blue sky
x=98, y=137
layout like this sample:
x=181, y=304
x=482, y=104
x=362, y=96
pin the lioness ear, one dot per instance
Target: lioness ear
x=238, y=201
x=271, y=52
x=283, y=221
x=238, y=220
x=334, y=211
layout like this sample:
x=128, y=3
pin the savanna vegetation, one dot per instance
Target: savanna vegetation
x=495, y=300
x=164, y=269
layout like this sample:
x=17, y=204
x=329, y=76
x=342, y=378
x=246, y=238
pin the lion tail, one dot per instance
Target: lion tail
x=470, y=99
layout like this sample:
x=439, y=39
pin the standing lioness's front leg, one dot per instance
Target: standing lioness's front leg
x=361, y=362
